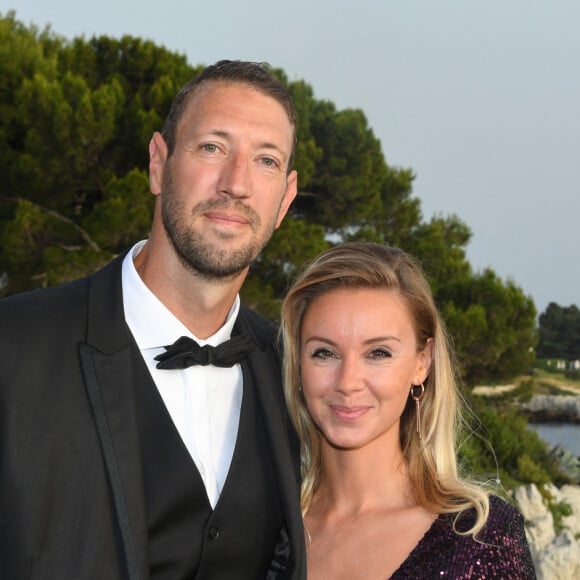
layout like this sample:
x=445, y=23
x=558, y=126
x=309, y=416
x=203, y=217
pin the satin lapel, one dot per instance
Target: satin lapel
x=266, y=374
x=106, y=360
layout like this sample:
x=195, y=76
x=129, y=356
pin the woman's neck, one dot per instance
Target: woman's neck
x=358, y=480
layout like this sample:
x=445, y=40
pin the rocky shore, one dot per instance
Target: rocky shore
x=544, y=408
x=555, y=549
x=556, y=555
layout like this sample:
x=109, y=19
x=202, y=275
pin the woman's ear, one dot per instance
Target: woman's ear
x=425, y=360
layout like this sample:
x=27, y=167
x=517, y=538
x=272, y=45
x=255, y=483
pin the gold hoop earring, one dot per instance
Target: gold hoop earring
x=417, y=398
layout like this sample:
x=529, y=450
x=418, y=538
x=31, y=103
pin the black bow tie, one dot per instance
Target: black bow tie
x=185, y=352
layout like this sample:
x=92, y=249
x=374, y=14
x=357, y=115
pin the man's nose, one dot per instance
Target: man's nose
x=235, y=178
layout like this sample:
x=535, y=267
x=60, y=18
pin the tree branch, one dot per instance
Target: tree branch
x=82, y=232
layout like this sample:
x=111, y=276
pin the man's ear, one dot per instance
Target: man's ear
x=289, y=195
x=157, y=159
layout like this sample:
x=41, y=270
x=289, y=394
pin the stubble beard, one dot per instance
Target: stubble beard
x=198, y=255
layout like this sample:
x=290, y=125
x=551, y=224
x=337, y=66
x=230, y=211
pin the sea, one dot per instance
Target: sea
x=566, y=435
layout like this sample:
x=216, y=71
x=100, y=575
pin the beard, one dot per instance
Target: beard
x=200, y=256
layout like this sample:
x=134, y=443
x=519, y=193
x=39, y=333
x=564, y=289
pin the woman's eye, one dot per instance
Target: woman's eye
x=380, y=353
x=323, y=353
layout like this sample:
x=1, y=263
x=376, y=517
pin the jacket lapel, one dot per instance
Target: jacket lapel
x=264, y=366
x=110, y=376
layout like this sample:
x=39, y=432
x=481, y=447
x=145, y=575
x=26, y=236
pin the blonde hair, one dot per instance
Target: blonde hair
x=431, y=461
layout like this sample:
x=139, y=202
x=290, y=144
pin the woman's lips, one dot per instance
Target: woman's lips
x=349, y=413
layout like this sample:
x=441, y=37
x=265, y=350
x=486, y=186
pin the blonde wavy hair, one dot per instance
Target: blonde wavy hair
x=431, y=461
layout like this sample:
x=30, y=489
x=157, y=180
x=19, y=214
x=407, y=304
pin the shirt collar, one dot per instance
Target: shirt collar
x=152, y=324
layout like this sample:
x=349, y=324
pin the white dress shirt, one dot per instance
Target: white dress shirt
x=204, y=402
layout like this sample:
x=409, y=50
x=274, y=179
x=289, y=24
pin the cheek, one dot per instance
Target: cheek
x=316, y=380
x=316, y=409
x=199, y=176
x=272, y=193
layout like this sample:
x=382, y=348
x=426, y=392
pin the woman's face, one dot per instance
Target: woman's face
x=359, y=359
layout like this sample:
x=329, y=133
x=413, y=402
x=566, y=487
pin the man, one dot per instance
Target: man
x=123, y=456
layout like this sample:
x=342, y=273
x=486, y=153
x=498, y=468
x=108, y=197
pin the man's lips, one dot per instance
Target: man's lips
x=227, y=217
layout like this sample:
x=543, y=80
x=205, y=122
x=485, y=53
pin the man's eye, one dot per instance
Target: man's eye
x=209, y=147
x=268, y=162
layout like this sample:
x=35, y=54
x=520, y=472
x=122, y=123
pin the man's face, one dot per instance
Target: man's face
x=225, y=188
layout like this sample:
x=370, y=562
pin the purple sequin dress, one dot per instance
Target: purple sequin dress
x=502, y=553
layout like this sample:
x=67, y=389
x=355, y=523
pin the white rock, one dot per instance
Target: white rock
x=567, y=406
x=571, y=495
x=540, y=532
x=560, y=560
x=554, y=492
x=530, y=502
x=555, y=558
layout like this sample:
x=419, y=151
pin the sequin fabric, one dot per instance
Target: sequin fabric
x=501, y=554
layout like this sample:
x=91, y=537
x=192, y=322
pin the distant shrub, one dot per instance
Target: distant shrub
x=501, y=441
x=529, y=470
x=551, y=365
x=559, y=511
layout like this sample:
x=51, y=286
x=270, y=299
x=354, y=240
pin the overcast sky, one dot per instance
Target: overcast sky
x=480, y=99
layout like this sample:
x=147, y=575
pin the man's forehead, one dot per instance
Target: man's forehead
x=201, y=91
x=212, y=113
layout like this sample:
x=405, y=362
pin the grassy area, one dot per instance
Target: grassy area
x=518, y=452
x=555, y=383
x=540, y=383
x=558, y=377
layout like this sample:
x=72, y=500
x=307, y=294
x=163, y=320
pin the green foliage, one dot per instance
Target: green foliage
x=260, y=297
x=345, y=187
x=292, y=245
x=42, y=248
x=308, y=152
x=499, y=439
x=560, y=332
x=123, y=215
x=529, y=470
x=524, y=391
x=62, y=265
x=560, y=511
x=440, y=246
x=504, y=329
x=75, y=120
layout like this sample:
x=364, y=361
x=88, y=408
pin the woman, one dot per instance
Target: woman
x=371, y=391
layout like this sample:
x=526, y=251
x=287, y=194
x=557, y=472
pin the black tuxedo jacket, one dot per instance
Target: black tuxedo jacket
x=71, y=491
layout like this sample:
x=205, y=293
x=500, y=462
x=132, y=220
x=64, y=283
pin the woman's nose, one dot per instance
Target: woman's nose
x=350, y=378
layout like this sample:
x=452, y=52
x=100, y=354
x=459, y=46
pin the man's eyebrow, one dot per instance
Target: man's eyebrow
x=226, y=134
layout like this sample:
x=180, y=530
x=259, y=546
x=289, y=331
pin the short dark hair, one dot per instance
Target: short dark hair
x=253, y=74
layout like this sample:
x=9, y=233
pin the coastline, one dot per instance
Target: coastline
x=555, y=551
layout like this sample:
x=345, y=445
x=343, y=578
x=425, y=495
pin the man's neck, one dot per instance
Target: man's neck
x=202, y=305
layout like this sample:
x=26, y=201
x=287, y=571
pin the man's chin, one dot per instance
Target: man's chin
x=219, y=264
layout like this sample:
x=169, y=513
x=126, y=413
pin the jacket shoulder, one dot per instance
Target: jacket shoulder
x=265, y=330
x=51, y=307
x=42, y=304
